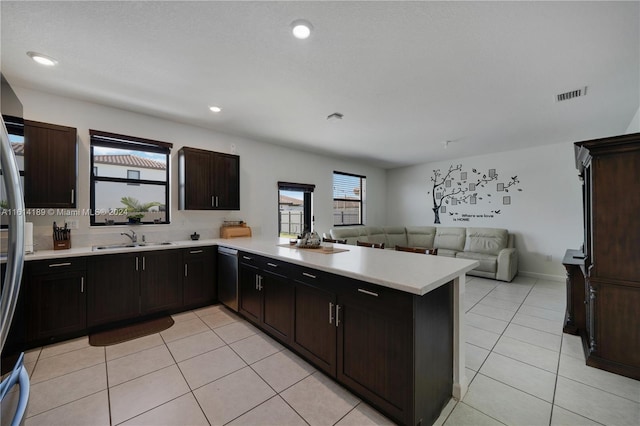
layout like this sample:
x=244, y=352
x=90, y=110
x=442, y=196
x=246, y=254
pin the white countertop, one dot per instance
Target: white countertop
x=410, y=272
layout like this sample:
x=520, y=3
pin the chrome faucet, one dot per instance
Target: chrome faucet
x=133, y=237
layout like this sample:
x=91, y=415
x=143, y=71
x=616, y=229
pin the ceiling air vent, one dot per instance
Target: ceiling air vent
x=571, y=94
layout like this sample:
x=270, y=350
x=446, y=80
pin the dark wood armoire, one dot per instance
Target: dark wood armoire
x=610, y=328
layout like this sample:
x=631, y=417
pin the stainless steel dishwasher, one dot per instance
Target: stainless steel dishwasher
x=228, y=277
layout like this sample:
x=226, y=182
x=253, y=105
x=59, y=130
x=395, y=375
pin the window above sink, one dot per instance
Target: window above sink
x=129, y=180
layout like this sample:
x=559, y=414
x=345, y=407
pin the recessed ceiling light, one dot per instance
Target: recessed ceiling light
x=42, y=59
x=301, y=29
x=215, y=108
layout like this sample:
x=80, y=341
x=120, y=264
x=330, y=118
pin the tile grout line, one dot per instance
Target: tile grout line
x=555, y=383
x=182, y=374
x=269, y=384
x=489, y=354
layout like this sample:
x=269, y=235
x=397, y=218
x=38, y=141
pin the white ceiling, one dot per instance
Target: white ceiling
x=406, y=75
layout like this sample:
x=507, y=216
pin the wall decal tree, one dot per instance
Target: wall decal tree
x=464, y=188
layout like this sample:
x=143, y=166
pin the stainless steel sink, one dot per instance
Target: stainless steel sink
x=129, y=245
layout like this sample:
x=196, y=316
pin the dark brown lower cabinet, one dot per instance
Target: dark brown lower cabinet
x=266, y=295
x=314, y=332
x=125, y=286
x=56, y=295
x=250, y=298
x=160, y=282
x=277, y=308
x=611, y=334
x=68, y=297
x=374, y=346
x=199, y=276
x=113, y=288
x=393, y=349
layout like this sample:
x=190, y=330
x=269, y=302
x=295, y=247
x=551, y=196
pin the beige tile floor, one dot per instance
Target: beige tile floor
x=212, y=367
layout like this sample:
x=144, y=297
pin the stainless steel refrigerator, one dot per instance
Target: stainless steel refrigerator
x=14, y=265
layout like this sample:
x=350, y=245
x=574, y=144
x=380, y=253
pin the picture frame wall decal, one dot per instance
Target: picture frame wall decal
x=471, y=189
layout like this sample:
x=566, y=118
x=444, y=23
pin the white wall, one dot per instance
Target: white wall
x=634, y=125
x=109, y=194
x=261, y=167
x=546, y=216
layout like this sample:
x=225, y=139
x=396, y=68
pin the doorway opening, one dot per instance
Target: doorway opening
x=295, y=209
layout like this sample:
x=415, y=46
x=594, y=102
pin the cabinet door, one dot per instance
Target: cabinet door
x=250, y=297
x=113, y=288
x=375, y=346
x=15, y=342
x=199, y=281
x=160, y=281
x=226, y=181
x=56, y=305
x=314, y=333
x=277, y=314
x=197, y=187
x=50, y=165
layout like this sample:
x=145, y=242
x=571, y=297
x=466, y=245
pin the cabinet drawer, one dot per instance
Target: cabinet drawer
x=276, y=267
x=198, y=252
x=375, y=296
x=57, y=265
x=311, y=276
x=251, y=260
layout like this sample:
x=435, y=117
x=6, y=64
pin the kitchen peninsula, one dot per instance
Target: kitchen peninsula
x=387, y=325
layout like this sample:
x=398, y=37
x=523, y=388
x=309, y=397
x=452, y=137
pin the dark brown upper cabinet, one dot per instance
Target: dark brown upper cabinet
x=208, y=180
x=50, y=165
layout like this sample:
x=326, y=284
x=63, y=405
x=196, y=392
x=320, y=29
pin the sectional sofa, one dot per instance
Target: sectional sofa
x=492, y=247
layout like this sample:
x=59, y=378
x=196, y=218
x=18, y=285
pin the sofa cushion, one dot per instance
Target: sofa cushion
x=421, y=236
x=349, y=233
x=486, y=240
x=396, y=236
x=375, y=234
x=447, y=252
x=449, y=238
x=488, y=262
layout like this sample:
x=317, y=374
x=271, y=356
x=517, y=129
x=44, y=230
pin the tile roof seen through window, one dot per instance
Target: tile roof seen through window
x=290, y=200
x=129, y=160
x=18, y=148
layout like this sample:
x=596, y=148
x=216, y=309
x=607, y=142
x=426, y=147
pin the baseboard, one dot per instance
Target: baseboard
x=547, y=277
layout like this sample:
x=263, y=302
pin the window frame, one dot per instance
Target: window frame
x=361, y=200
x=307, y=206
x=113, y=140
x=129, y=171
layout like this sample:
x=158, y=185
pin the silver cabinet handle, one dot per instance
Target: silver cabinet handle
x=309, y=275
x=143, y=262
x=55, y=265
x=213, y=203
x=186, y=273
x=73, y=196
x=195, y=251
x=260, y=282
x=81, y=284
x=370, y=293
x=247, y=258
x=137, y=263
x=256, y=280
x=337, y=315
x=216, y=201
x=273, y=265
x=330, y=313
